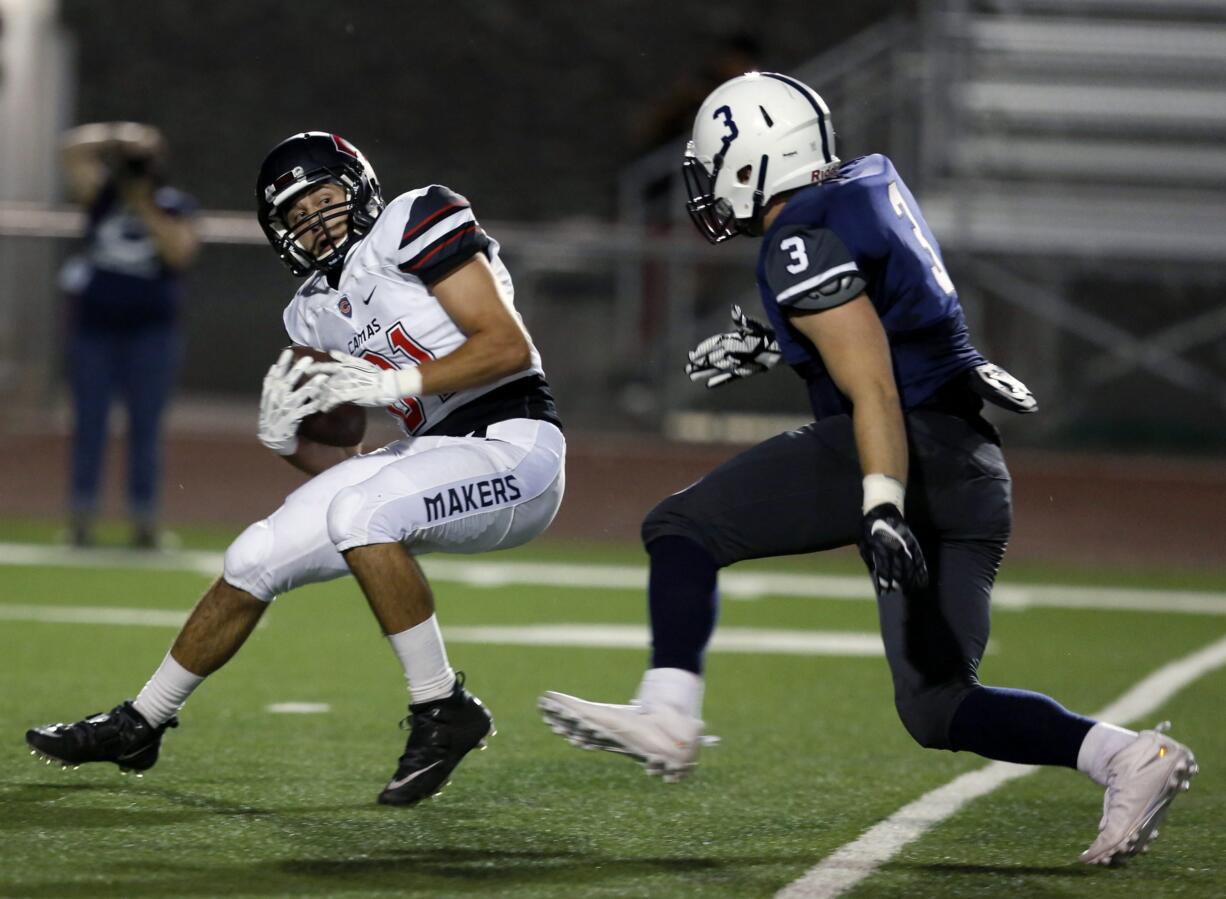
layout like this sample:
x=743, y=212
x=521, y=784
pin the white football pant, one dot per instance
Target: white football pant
x=432, y=494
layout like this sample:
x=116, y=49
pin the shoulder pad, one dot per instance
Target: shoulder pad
x=810, y=268
x=440, y=234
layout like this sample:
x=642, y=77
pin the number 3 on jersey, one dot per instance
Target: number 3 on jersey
x=401, y=344
x=901, y=209
x=795, y=248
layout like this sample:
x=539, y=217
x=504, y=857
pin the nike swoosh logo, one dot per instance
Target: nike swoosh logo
x=366, y=302
x=397, y=784
x=881, y=526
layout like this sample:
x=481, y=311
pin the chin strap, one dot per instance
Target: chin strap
x=759, y=195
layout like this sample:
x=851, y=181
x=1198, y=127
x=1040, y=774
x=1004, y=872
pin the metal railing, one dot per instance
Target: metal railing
x=1036, y=205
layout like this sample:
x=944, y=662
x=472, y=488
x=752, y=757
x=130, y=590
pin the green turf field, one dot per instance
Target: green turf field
x=249, y=803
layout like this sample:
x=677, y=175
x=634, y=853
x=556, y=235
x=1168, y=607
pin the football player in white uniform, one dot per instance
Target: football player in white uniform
x=417, y=308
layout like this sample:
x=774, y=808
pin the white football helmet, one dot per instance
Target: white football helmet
x=755, y=136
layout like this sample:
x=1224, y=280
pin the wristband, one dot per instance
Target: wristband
x=881, y=488
x=408, y=381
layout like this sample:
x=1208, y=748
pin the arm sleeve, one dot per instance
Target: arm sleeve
x=440, y=235
x=810, y=269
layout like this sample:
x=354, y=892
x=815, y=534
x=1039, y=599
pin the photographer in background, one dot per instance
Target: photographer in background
x=123, y=290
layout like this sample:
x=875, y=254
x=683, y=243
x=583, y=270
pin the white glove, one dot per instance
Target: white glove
x=749, y=350
x=283, y=406
x=366, y=384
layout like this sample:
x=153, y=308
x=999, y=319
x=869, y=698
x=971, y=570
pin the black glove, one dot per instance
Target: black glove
x=749, y=350
x=891, y=552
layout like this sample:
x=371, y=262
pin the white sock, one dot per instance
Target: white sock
x=676, y=688
x=424, y=658
x=1100, y=745
x=166, y=692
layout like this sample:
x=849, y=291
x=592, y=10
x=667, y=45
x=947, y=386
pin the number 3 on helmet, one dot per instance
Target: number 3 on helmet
x=754, y=137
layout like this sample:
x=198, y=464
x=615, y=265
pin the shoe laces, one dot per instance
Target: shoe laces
x=101, y=728
x=98, y=724
x=427, y=739
x=457, y=689
x=427, y=728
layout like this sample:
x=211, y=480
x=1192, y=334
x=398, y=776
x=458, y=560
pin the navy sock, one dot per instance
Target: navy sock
x=1017, y=726
x=683, y=602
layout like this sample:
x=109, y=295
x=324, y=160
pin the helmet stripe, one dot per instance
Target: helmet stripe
x=413, y=227
x=761, y=191
x=817, y=108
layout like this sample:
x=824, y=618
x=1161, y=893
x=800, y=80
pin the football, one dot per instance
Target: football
x=343, y=426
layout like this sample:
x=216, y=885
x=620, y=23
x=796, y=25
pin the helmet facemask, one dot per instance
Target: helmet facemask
x=328, y=251
x=304, y=163
x=712, y=216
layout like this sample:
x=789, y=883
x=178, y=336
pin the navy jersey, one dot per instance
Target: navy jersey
x=119, y=282
x=862, y=232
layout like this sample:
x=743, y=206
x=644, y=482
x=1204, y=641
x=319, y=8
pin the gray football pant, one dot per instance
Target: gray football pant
x=800, y=492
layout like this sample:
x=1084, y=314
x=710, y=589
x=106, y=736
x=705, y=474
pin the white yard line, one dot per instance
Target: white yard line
x=633, y=636
x=91, y=615
x=734, y=584
x=64, y=557
x=849, y=865
x=588, y=636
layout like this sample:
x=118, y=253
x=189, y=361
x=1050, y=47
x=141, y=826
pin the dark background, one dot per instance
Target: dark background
x=534, y=110
x=530, y=108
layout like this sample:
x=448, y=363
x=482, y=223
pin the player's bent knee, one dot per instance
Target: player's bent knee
x=926, y=715
x=348, y=519
x=671, y=517
x=247, y=562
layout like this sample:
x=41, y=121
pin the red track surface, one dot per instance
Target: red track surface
x=1124, y=512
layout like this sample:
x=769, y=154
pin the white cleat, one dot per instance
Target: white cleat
x=664, y=740
x=1142, y=780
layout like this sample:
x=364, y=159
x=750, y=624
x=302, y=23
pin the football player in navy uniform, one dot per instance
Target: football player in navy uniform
x=417, y=309
x=124, y=289
x=898, y=460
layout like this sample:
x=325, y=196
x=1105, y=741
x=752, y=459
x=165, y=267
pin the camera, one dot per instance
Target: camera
x=133, y=167
x=129, y=164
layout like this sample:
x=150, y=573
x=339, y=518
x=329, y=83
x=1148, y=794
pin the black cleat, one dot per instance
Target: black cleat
x=121, y=735
x=441, y=733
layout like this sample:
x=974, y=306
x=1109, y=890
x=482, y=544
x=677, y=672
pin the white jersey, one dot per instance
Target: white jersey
x=382, y=309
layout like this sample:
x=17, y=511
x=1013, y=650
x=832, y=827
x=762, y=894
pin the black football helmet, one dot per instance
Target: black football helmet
x=299, y=163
